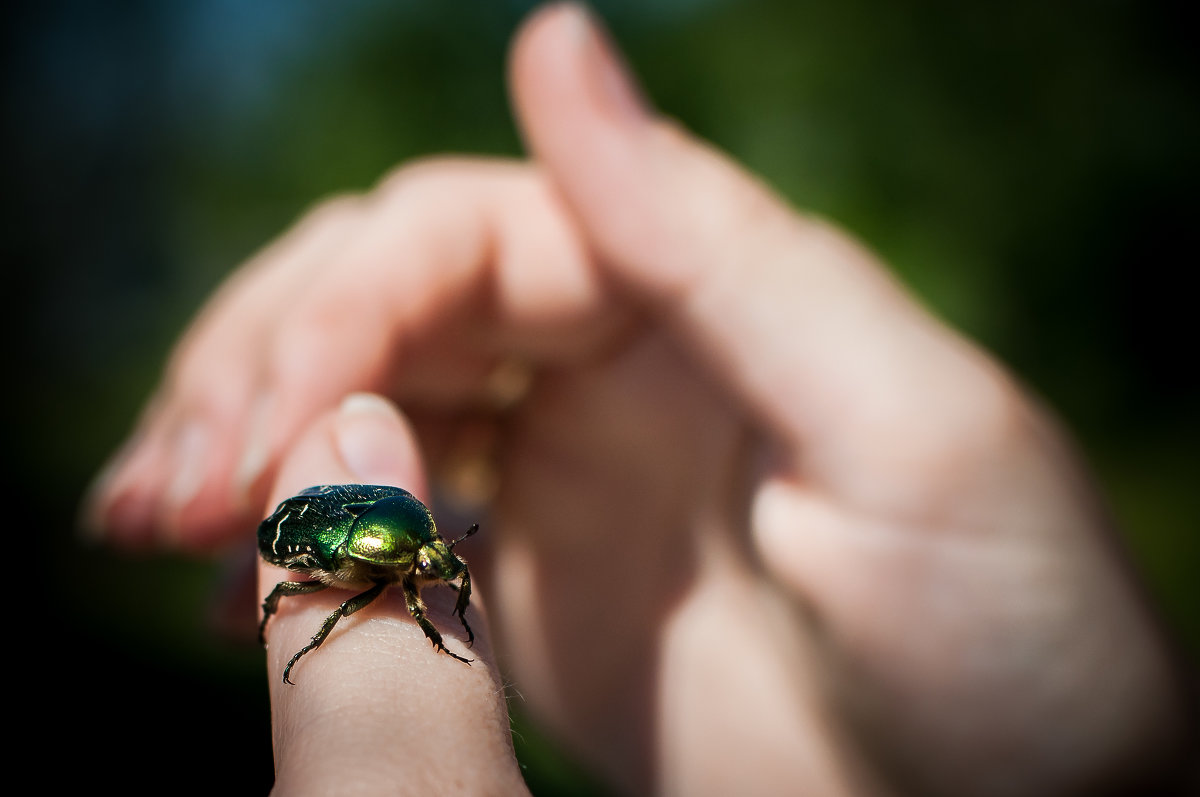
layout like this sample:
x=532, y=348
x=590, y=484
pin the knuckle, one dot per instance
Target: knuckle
x=297, y=341
x=418, y=175
x=330, y=219
x=199, y=376
x=205, y=390
x=987, y=418
x=324, y=346
x=445, y=174
x=1001, y=410
x=216, y=354
x=335, y=209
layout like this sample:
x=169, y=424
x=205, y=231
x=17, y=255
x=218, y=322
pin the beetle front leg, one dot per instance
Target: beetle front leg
x=271, y=604
x=464, y=598
x=416, y=607
x=348, y=608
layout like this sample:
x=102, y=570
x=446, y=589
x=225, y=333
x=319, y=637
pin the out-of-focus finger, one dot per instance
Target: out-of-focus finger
x=170, y=480
x=456, y=268
x=464, y=264
x=801, y=323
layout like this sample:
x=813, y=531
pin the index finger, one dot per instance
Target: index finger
x=375, y=708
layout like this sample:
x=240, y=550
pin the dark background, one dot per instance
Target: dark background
x=1029, y=170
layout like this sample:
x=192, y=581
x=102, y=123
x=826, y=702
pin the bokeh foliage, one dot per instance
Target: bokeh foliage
x=1027, y=168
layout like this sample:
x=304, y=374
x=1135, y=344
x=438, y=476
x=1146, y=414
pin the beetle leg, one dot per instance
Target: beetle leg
x=348, y=608
x=416, y=607
x=271, y=604
x=464, y=598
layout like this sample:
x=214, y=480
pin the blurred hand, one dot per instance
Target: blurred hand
x=761, y=522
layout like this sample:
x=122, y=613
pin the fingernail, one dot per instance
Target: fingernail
x=191, y=461
x=123, y=507
x=255, y=453
x=130, y=518
x=367, y=431
x=613, y=85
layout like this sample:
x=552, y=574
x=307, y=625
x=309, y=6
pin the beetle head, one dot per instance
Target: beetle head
x=435, y=561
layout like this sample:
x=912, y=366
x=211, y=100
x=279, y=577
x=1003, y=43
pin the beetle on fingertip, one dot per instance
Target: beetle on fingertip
x=355, y=535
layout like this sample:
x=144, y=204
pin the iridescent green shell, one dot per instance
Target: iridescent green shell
x=312, y=531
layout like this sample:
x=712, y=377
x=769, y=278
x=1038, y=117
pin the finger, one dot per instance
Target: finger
x=462, y=265
x=173, y=473
x=452, y=270
x=375, y=706
x=802, y=323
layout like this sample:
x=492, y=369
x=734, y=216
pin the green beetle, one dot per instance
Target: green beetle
x=351, y=535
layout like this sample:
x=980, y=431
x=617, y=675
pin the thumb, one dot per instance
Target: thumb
x=805, y=327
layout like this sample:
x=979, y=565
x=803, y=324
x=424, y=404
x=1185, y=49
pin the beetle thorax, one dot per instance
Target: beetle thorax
x=391, y=533
x=381, y=546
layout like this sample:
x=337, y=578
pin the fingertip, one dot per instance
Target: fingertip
x=97, y=502
x=200, y=508
x=377, y=443
x=121, y=505
x=126, y=520
x=535, y=35
x=660, y=207
x=365, y=440
x=563, y=54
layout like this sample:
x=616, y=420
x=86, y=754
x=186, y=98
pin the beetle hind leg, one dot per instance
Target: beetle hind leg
x=271, y=604
x=360, y=601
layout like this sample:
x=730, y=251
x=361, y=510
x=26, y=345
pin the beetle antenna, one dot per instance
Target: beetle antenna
x=474, y=528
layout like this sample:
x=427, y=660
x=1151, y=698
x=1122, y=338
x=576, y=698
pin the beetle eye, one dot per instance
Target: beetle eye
x=423, y=564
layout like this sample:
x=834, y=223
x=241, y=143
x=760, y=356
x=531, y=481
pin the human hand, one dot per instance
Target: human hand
x=760, y=520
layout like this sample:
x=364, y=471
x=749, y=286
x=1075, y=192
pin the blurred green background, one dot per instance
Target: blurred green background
x=1028, y=169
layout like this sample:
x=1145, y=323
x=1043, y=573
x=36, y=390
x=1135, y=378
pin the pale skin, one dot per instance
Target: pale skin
x=761, y=523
